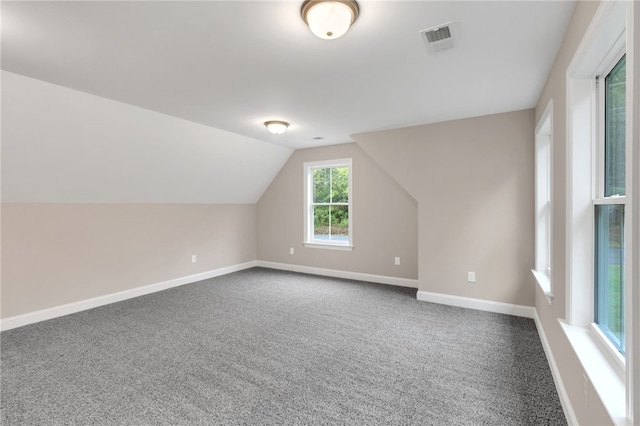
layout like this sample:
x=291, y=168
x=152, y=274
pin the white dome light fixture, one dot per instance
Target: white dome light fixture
x=329, y=19
x=276, y=127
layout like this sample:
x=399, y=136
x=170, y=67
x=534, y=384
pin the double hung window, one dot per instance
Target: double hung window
x=544, y=134
x=600, y=313
x=328, y=212
x=609, y=206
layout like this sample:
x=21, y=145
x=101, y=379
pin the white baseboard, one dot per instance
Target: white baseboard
x=567, y=408
x=380, y=279
x=82, y=305
x=479, y=304
x=464, y=302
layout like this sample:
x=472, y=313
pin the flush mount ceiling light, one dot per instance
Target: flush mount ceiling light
x=329, y=19
x=276, y=127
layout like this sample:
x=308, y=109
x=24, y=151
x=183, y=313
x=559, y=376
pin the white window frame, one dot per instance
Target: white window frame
x=309, y=241
x=599, y=197
x=615, y=378
x=586, y=166
x=544, y=197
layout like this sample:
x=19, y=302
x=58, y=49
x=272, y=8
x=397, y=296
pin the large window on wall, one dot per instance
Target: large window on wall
x=599, y=190
x=328, y=201
x=544, y=135
x=609, y=205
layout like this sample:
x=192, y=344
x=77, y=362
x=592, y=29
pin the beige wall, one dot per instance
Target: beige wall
x=100, y=196
x=384, y=215
x=564, y=355
x=473, y=180
x=53, y=254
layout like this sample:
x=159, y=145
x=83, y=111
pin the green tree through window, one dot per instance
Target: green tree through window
x=328, y=220
x=331, y=203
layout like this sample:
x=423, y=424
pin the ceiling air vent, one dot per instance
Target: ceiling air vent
x=439, y=38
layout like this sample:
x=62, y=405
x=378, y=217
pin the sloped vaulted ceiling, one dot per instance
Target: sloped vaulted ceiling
x=61, y=145
x=163, y=101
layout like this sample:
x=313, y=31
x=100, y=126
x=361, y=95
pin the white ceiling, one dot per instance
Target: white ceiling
x=232, y=65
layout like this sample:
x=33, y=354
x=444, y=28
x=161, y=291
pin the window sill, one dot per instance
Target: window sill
x=604, y=375
x=542, y=278
x=326, y=246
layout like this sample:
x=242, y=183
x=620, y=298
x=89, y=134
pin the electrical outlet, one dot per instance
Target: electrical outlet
x=471, y=277
x=397, y=260
x=291, y=250
x=194, y=258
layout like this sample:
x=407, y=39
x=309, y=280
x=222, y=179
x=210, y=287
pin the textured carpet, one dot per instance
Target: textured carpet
x=266, y=347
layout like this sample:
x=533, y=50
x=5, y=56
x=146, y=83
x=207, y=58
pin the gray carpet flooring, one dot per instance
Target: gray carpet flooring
x=266, y=347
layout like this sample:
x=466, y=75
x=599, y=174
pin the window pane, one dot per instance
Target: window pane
x=321, y=185
x=321, y=218
x=340, y=185
x=340, y=223
x=331, y=223
x=609, y=272
x=614, y=145
x=544, y=238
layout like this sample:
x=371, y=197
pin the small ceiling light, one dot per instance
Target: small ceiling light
x=329, y=19
x=276, y=127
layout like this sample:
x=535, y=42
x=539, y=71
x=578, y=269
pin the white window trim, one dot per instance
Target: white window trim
x=543, y=202
x=328, y=246
x=632, y=320
x=602, y=374
x=308, y=168
x=616, y=386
